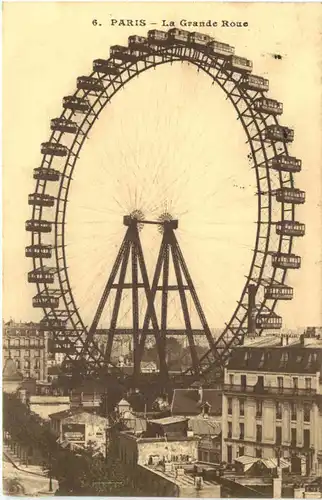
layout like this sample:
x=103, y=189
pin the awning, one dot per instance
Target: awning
x=272, y=463
x=246, y=461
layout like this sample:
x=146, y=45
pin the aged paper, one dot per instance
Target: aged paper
x=217, y=195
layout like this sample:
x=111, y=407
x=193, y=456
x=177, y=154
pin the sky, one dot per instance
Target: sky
x=169, y=142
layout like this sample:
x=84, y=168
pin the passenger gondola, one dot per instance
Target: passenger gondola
x=89, y=83
x=42, y=275
x=41, y=200
x=63, y=125
x=199, y=40
x=290, y=228
x=269, y=106
x=178, y=37
x=139, y=43
x=268, y=321
x=40, y=226
x=220, y=49
x=46, y=174
x=121, y=53
x=43, y=251
x=286, y=261
x=158, y=37
x=54, y=149
x=280, y=292
x=77, y=104
x=290, y=195
x=46, y=301
x=253, y=82
x=240, y=64
x=105, y=67
x=285, y=164
x=279, y=133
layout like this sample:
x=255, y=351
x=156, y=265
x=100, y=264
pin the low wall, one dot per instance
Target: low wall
x=153, y=483
x=46, y=405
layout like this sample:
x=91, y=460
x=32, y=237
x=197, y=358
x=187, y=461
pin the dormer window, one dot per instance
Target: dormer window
x=284, y=359
x=206, y=408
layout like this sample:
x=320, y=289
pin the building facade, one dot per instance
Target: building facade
x=80, y=429
x=272, y=402
x=27, y=345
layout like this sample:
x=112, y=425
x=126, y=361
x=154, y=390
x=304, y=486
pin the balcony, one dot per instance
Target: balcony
x=264, y=391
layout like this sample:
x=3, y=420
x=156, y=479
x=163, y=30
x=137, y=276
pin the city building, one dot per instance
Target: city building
x=272, y=401
x=11, y=378
x=79, y=429
x=27, y=345
x=90, y=394
x=163, y=461
x=208, y=430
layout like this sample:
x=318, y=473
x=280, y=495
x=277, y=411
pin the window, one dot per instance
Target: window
x=17, y=364
x=32, y=342
x=278, y=411
x=307, y=440
x=241, y=451
x=229, y=454
x=241, y=431
x=243, y=380
x=258, y=453
x=37, y=364
x=278, y=435
x=27, y=353
x=293, y=411
x=230, y=406
x=37, y=353
x=231, y=379
x=293, y=437
x=27, y=365
x=295, y=383
x=260, y=382
x=284, y=360
x=280, y=383
x=241, y=407
x=259, y=408
x=307, y=412
x=230, y=432
x=258, y=433
x=307, y=383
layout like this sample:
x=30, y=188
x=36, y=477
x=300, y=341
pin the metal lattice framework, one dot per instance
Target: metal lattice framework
x=274, y=170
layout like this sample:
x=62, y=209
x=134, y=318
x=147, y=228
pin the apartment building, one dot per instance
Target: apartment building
x=272, y=401
x=27, y=345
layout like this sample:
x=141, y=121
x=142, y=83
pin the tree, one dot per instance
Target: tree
x=81, y=473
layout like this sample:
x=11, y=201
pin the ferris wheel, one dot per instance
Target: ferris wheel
x=276, y=225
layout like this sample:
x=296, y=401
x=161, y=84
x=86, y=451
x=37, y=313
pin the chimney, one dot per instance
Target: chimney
x=284, y=340
x=200, y=393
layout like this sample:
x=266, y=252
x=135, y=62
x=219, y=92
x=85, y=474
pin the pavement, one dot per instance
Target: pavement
x=30, y=480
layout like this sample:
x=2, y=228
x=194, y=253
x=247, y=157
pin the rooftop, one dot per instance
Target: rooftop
x=186, y=479
x=283, y=341
x=80, y=414
x=168, y=420
x=277, y=354
x=204, y=426
x=190, y=401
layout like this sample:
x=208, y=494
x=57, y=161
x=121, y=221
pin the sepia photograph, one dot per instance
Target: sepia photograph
x=162, y=249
